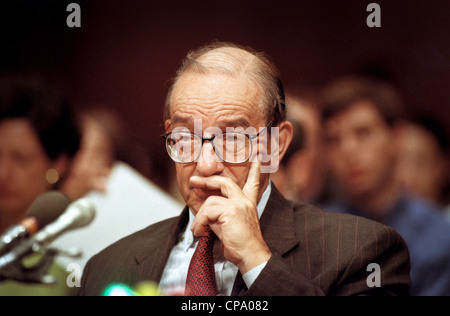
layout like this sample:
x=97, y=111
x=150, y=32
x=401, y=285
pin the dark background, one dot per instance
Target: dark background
x=126, y=51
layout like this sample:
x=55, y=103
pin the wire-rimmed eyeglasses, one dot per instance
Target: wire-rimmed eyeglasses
x=230, y=146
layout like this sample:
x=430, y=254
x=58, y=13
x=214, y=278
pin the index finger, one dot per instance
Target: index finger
x=251, y=187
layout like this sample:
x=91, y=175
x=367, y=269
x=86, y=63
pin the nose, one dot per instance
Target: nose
x=208, y=163
x=349, y=146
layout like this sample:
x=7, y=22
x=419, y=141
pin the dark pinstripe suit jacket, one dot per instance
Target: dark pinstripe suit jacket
x=314, y=253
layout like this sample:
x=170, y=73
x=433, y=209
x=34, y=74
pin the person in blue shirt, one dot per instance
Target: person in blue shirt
x=424, y=166
x=360, y=119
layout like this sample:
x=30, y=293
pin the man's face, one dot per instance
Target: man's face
x=360, y=149
x=219, y=101
x=23, y=165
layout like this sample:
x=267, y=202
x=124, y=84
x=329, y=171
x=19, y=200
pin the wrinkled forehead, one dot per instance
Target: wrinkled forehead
x=218, y=100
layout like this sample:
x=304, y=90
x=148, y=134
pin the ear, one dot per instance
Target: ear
x=286, y=132
x=280, y=138
x=167, y=124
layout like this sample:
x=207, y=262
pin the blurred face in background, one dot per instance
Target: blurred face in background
x=306, y=175
x=23, y=168
x=92, y=163
x=360, y=150
x=422, y=163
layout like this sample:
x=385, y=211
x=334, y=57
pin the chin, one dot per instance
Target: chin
x=194, y=202
x=359, y=192
x=194, y=207
x=197, y=197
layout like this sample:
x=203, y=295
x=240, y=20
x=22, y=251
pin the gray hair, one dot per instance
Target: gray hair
x=231, y=59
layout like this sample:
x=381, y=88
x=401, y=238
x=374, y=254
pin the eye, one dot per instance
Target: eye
x=22, y=159
x=182, y=145
x=231, y=138
x=363, y=132
x=236, y=140
x=180, y=139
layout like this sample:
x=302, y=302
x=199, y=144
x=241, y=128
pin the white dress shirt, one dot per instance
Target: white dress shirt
x=173, y=280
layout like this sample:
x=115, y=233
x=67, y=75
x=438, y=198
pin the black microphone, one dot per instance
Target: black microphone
x=44, y=210
x=79, y=214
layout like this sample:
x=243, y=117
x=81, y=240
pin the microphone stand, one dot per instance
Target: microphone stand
x=38, y=273
x=78, y=214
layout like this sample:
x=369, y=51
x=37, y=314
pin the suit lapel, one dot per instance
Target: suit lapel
x=152, y=260
x=277, y=226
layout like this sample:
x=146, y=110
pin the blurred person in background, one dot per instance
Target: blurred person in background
x=301, y=175
x=38, y=139
x=93, y=161
x=424, y=160
x=105, y=141
x=111, y=169
x=46, y=145
x=360, y=117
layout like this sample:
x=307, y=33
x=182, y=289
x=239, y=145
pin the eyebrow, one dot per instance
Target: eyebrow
x=188, y=121
x=240, y=122
x=179, y=119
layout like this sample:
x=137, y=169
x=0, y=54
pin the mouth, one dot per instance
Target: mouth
x=6, y=194
x=205, y=193
x=356, y=174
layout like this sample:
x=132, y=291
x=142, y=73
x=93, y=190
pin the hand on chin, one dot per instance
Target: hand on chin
x=199, y=196
x=203, y=193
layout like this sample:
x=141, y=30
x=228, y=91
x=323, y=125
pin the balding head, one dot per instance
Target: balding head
x=236, y=61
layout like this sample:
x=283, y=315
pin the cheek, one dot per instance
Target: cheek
x=381, y=154
x=32, y=172
x=339, y=168
x=334, y=160
x=183, y=173
x=238, y=173
x=35, y=179
x=28, y=183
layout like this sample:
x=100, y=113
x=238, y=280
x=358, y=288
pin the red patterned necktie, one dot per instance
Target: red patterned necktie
x=201, y=279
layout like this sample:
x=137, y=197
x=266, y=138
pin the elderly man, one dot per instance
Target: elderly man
x=238, y=235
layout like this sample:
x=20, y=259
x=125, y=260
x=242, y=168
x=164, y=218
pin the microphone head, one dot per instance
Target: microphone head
x=78, y=214
x=81, y=213
x=48, y=207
